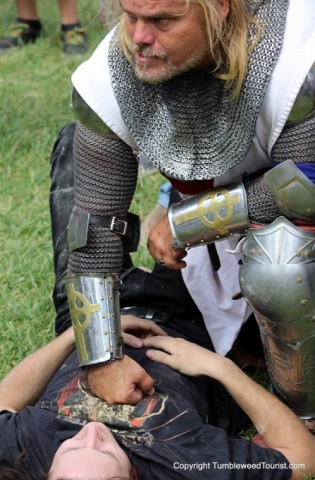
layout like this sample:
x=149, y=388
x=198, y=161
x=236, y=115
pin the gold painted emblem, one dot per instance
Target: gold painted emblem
x=80, y=317
x=215, y=202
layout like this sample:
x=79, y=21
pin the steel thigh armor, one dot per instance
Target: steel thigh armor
x=277, y=280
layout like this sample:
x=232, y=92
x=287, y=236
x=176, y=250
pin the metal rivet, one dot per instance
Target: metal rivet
x=105, y=333
x=218, y=237
x=307, y=253
x=299, y=280
x=113, y=332
x=107, y=349
x=101, y=282
x=112, y=315
x=103, y=316
x=259, y=251
x=313, y=319
x=252, y=251
x=298, y=253
x=303, y=303
x=242, y=279
x=294, y=342
x=102, y=298
x=201, y=241
x=187, y=244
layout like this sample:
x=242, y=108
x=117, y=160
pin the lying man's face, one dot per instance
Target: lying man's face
x=92, y=453
x=168, y=38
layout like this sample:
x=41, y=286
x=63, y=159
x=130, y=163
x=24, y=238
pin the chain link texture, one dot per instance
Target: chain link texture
x=105, y=172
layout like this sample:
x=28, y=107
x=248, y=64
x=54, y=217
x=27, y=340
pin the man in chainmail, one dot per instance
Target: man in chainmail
x=215, y=93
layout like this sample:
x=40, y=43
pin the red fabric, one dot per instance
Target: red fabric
x=193, y=187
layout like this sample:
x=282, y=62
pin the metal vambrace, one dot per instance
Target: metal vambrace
x=95, y=316
x=210, y=216
x=105, y=175
x=277, y=281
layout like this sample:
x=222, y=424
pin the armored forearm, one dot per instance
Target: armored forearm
x=105, y=172
x=209, y=216
x=231, y=209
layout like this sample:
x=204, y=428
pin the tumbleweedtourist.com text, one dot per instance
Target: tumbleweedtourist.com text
x=237, y=466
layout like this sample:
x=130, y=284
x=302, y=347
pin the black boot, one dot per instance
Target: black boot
x=20, y=33
x=61, y=205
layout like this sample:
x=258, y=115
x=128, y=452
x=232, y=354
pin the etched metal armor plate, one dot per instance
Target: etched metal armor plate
x=277, y=280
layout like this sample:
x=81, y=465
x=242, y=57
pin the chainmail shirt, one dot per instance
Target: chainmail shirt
x=188, y=127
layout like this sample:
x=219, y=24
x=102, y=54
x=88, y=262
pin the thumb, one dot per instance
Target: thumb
x=145, y=383
x=135, y=397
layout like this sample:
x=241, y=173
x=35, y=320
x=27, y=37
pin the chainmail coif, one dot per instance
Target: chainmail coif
x=105, y=171
x=188, y=126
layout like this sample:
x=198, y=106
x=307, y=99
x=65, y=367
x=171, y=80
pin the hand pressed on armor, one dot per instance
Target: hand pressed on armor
x=139, y=329
x=121, y=381
x=160, y=245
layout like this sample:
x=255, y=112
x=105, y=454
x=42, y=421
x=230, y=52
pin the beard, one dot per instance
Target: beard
x=168, y=70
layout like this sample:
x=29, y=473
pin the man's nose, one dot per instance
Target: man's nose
x=91, y=436
x=142, y=34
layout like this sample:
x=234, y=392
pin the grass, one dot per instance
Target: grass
x=35, y=104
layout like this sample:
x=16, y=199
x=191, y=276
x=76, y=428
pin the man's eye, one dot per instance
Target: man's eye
x=162, y=20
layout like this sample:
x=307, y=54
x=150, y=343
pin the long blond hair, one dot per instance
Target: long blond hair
x=227, y=40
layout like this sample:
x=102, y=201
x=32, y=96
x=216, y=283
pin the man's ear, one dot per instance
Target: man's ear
x=225, y=8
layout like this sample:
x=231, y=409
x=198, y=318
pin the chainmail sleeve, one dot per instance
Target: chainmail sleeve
x=296, y=143
x=262, y=208
x=105, y=171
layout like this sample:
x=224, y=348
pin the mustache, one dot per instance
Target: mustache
x=147, y=51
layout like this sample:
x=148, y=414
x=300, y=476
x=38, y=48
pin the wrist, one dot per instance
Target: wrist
x=217, y=367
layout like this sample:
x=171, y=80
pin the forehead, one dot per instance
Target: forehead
x=152, y=7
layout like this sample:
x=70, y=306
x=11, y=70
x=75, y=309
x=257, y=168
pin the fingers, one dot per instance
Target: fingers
x=131, y=322
x=160, y=246
x=143, y=328
x=132, y=341
x=173, y=261
x=160, y=357
x=135, y=397
x=162, y=343
x=145, y=383
x=171, y=258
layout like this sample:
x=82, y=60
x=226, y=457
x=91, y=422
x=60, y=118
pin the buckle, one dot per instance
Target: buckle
x=118, y=226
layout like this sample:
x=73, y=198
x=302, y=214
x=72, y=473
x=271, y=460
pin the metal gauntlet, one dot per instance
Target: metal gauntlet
x=210, y=216
x=94, y=310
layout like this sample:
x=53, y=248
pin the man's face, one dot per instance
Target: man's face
x=168, y=38
x=93, y=453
